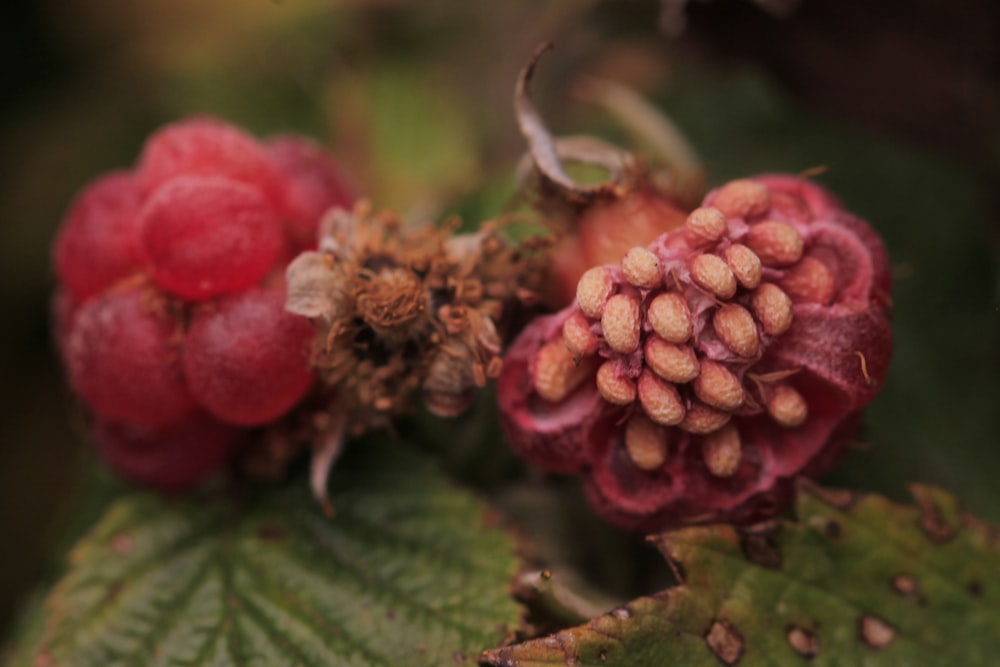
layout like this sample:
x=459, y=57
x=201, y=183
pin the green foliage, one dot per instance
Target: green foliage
x=856, y=580
x=409, y=572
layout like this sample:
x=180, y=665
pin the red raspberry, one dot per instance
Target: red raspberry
x=207, y=236
x=204, y=146
x=99, y=240
x=312, y=183
x=245, y=360
x=170, y=458
x=160, y=315
x=698, y=378
x=124, y=359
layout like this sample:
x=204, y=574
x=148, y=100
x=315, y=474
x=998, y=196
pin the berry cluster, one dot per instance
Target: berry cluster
x=694, y=380
x=170, y=316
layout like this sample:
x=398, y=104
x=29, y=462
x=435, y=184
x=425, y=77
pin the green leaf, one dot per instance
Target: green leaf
x=857, y=580
x=411, y=571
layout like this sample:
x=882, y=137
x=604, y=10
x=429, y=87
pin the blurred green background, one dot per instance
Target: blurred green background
x=899, y=101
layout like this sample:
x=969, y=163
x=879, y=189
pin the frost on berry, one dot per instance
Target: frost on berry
x=702, y=394
x=404, y=311
x=98, y=242
x=123, y=353
x=246, y=359
x=206, y=236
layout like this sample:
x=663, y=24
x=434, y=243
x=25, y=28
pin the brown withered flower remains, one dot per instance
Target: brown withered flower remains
x=402, y=310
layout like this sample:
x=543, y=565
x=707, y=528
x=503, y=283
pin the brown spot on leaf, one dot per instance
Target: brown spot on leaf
x=114, y=591
x=832, y=529
x=875, y=632
x=492, y=518
x=122, y=544
x=933, y=523
x=802, y=641
x=725, y=641
x=976, y=588
x=271, y=532
x=760, y=545
x=904, y=584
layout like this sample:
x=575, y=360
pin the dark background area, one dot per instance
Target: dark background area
x=899, y=99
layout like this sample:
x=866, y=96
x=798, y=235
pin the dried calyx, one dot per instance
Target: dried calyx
x=595, y=223
x=400, y=311
x=697, y=377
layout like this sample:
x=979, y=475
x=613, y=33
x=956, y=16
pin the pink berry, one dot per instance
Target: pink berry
x=99, y=240
x=246, y=361
x=204, y=146
x=123, y=359
x=311, y=184
x=699, y=377
x=206, y=236
x=169, y=458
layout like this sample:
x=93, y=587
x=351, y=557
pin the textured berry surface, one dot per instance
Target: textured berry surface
x=204, y=147
x=168, y=458
x=124, y=359
x=99, y=240
x=206, y=236
x=700, y=394
x=169, y=310
x=311, y=184
x=246, y=360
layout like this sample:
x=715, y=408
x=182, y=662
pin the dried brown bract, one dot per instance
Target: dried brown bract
x=401, y=310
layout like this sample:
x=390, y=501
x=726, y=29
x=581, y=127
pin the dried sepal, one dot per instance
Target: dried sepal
x=586, y=219
x=401, y=311
x=546, y=156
